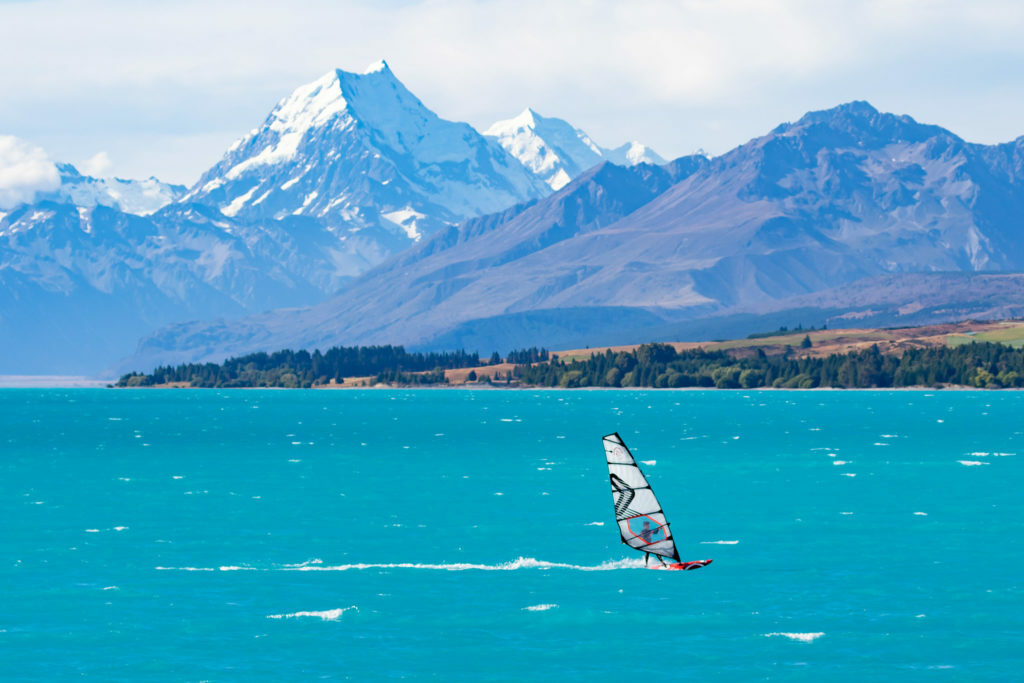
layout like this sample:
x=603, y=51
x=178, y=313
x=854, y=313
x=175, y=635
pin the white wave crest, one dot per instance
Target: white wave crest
x=326, y=615
x=719, y=542
x=307, y=563
x=594, y=524
x=802, y=637
x=649, y=462
x=540, y=608
x=519, y=563
x=971, y=463
x=186, y=569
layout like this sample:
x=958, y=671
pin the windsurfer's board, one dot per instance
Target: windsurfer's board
x=687, y=566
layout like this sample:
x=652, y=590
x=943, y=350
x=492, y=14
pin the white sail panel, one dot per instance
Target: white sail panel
x=641, y=520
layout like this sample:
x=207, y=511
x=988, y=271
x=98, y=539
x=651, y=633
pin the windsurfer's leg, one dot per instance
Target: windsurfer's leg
x=662, y=560
x=647, y=557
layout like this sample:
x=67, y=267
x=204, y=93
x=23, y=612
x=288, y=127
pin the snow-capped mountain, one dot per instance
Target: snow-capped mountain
x=556, y=152
x=632, y=153
x=345, y=171
x=139, y=197
x=360, y=152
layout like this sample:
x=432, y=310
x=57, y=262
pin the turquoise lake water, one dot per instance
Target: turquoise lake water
x=469, y=535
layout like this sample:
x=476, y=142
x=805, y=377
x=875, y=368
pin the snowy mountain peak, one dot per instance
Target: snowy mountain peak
x=633, y=153
x=309, y=106
x=327, y=100
x=362, y=154
x=377, y=67
x=527, y=119
x=139, y=197
x=556, y=151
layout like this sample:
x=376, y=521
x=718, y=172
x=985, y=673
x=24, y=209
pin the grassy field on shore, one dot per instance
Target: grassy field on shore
x=828, y=342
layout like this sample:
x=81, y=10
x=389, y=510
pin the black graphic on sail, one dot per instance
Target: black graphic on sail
x=625, y=496
x=641, y=520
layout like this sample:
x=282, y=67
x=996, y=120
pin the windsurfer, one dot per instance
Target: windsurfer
x=635, y=502
x=647, y=532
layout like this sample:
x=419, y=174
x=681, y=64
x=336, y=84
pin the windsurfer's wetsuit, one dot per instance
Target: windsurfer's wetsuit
x=646, y=533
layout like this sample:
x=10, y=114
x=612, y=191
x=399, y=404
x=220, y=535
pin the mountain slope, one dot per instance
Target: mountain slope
x=840, y=196
x=556, y=152
x=438, y=277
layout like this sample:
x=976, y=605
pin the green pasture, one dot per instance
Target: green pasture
x=1011, y=334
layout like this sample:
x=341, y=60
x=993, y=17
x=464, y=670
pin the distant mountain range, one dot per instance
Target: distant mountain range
x=355, y=215
x=848, y=214
x=344, y=172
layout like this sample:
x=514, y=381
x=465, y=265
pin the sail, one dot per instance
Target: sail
x=641, y=520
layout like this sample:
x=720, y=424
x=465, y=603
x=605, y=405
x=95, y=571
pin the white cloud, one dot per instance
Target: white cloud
x=98, y=165
x=24, y=170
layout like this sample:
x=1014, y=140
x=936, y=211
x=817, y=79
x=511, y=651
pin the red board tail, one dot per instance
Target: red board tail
x=688, y=566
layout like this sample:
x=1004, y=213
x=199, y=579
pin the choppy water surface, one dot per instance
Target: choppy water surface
x=192, y=535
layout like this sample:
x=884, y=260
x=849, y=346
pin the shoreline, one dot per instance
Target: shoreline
x=103, y=384
x=53, y=382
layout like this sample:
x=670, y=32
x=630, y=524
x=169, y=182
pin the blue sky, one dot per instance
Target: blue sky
x=163, y=87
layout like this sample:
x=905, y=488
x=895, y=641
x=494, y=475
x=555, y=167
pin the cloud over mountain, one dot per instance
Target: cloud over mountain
x=24, y=170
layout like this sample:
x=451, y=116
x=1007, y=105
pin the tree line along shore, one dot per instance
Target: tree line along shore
x=656, y=365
